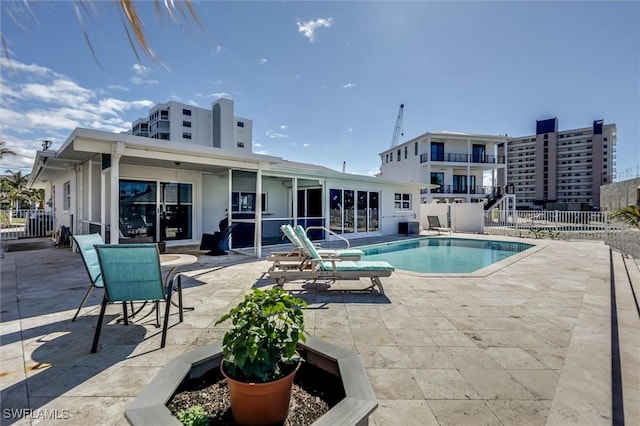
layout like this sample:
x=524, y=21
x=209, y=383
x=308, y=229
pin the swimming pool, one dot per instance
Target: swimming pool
x=443, y=255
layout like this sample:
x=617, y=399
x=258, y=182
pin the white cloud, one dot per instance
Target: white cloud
x=275, y=135
x=348, y=86
x=263, y=61
x=257, y=144
x=39, y=103
x=308, y=28
x=284, y=127
x=139, y=80
x=217, y=50
x=217, y=95
x=140, y=69
x=141, y=75
x=306, y=145
x=118, y=87
x=11, y=66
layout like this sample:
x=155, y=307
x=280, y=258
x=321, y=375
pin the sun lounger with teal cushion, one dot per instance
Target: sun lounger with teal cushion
x=317, y=267
x=299, y=252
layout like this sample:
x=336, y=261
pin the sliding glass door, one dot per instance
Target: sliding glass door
x=176, y=211
x=161, y=210
x=349, y=214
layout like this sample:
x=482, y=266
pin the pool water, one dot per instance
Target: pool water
x=443, y=255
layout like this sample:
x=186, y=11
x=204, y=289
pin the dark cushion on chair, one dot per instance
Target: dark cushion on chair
x=218, y=242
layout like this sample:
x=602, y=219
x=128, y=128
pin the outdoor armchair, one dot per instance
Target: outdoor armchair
x=84, y=244
x=132, y=273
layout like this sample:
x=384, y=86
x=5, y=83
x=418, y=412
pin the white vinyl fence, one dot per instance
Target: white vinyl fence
x=33, y=223
x=565, y=225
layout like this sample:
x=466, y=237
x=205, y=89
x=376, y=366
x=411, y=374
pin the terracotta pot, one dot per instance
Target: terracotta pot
x=260, y=404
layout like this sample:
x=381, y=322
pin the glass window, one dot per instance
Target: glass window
x=240, y=124
x=437, y=179
x=240, y=144
x=186, y=111
x=245, y=202
x=478, y=153
x=459, y=184
x=373, y=211
x=186, y=123
x=406, y=152
x=437, y=151
x=335, y=210
x=66, y=193
x=415, y=148
x=186, y=135
x=402, y=201
x=349, y=206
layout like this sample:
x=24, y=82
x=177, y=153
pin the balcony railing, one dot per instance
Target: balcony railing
x=463, y=158
x=454, y=189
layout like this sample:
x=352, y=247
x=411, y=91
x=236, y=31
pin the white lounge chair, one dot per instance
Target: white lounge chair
x=298, y=253
x=316, y=267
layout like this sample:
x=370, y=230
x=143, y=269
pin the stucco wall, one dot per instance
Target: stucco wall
x=460, y=217
x=620, y=194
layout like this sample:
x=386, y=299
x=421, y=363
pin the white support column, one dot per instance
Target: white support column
x=75, y=202
x=103, y=203
x=429, y=195
x=89, y=190
x=258, y=228
x=114, y=191
x=229, y=204
x=294, y=200
x=469, y=158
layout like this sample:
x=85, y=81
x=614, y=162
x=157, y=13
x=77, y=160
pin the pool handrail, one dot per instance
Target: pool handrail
x=330, y=232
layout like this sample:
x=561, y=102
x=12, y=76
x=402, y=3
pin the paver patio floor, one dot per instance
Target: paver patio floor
x=527, y=344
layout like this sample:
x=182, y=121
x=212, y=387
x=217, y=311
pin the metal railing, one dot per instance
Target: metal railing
x=463, y=158
x=329, y=231
x=565, y=225
x=25, y=223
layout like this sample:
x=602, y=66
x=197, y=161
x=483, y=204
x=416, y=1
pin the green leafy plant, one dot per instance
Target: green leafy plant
x=537, y=233
x=194, y=416
x=629, y=214
x=266, y=327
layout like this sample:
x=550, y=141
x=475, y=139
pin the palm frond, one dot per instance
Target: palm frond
x=179, y=11
x=629, y=215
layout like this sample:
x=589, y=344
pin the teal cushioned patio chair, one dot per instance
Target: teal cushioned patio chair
x=132, y=273
x=318, y=267
x=85, y=244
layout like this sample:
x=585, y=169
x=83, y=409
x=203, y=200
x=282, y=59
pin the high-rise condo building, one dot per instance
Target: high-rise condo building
x=565, y=167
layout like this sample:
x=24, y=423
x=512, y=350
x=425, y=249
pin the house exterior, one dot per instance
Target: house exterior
x=451, y=166
x=143, y=184
x=554, y=168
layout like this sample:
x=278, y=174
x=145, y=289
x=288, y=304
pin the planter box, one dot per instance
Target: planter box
x=360, y=401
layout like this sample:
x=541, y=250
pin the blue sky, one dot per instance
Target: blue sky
x=323, y=81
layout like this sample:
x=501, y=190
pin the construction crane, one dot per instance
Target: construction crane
x=397, y=131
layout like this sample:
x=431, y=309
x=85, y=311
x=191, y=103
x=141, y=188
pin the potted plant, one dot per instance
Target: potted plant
x=260, y=359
